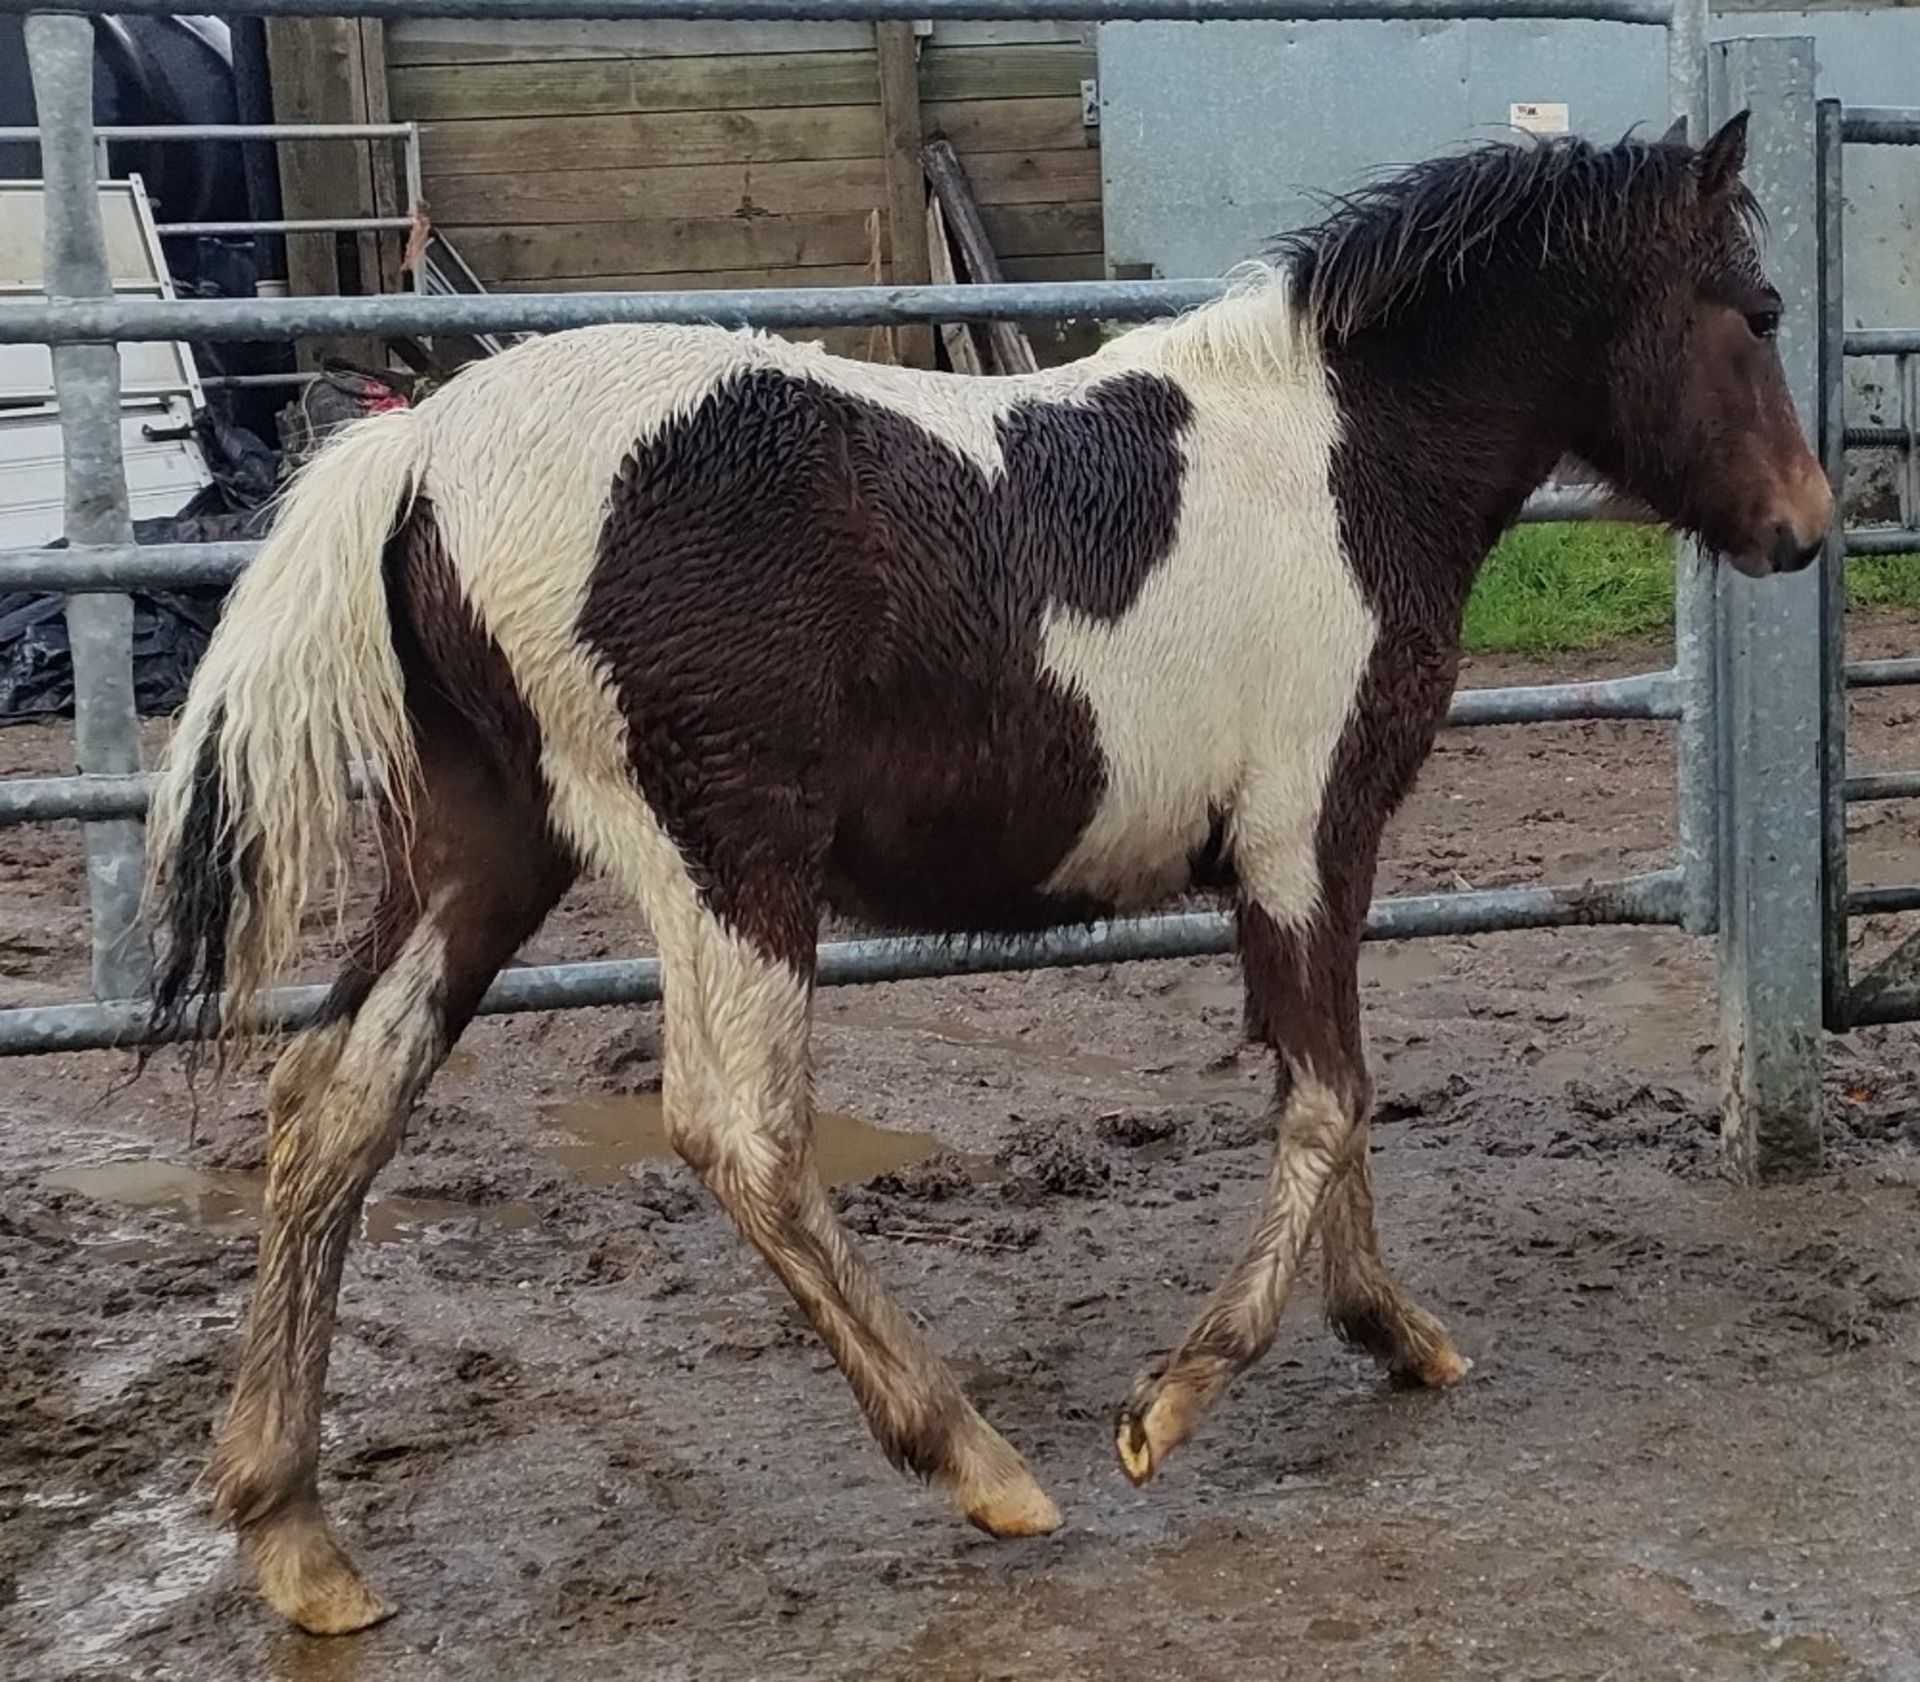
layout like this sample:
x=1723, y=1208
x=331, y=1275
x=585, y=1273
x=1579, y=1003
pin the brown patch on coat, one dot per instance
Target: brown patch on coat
x=824, y=624
x=480, y=824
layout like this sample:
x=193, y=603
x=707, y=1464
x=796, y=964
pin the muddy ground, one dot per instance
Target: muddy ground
x=577, y=1432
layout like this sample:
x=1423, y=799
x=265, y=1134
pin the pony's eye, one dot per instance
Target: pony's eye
x=1765, y=324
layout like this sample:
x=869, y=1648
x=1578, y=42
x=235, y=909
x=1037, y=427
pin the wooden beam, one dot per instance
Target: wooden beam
x=963, y=355
x=952, y=191
x=319, y=71
x=899, y=56
x=779, y=134
x=443, y=92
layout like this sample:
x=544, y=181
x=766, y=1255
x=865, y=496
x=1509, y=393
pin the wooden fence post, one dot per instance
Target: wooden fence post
x=910, y=265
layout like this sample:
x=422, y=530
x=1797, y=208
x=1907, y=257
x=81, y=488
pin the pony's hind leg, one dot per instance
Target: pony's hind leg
x=1364, y=1303
x=478, y=875
x=739, y=1107
x=1303, y=1000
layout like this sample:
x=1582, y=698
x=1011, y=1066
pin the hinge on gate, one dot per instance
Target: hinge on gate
x=1089, y=103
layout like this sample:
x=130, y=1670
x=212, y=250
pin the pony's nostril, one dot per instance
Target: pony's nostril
x=1789, y=551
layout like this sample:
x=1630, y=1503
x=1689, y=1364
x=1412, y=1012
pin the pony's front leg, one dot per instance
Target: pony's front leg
x=1303, y=1000
x=740, y=1112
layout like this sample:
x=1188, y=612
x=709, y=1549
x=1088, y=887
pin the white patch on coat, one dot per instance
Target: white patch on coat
x=1228, y=682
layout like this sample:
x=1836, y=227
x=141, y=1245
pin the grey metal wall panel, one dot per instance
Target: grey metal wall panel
x=1213, y=136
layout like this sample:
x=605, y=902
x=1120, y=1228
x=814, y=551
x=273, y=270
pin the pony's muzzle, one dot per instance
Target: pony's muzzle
x=1798, y=532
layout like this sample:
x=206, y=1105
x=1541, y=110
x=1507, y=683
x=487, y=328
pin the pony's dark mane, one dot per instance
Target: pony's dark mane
x=1388, y=242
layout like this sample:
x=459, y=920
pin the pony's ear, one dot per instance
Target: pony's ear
x=1677, y=134
x=1723, y=157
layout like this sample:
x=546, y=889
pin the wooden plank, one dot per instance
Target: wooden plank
x=953, y=193
x=1003, y=72
x=1077, y=267
x=1035, y=177
x=449, y=92
x=1027, y=32
x=906, y=188
x=444, y=92
x=883, y=342
x=319, y=71
x=1009, y=125
x=549, y=197
x=1033, y=230
x=664, y=245
x=519, y=40
x=705, y=280
x=963, y=355
x=1070, y=266
x=654, y=139
x=384, y=252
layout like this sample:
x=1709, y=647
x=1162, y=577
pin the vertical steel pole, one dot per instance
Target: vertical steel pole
x=1770, y=685
x=1694, y=604
x=416, y=196
x=1909, y=369
x=86, y=380
x=1837, y=985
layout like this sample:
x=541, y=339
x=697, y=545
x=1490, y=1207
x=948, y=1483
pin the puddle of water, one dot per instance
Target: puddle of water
x=212, y=1201
x=613, y=1134
x=225, y=1204
x=1809, y=1656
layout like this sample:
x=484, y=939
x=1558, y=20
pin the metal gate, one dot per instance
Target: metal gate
x=1890, y=990
x=1744, y=690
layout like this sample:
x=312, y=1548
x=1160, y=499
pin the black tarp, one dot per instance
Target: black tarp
x=170, y=628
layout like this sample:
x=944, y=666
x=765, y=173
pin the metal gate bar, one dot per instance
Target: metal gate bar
x=1650, y=898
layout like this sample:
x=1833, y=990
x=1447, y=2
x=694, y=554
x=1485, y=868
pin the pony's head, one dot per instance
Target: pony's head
x=1696, y=420
x=1604, y=302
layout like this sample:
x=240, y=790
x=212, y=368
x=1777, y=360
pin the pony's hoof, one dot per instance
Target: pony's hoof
x=306, y=1577
x=1027, y=1511
x=344, y=1613
x=997, y=1492
x=1146, y=1435
x=1439, y=1369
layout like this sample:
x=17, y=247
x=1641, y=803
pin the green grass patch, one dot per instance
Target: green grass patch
x=1557, y=589
x=1884, y=581
x=1551, y=589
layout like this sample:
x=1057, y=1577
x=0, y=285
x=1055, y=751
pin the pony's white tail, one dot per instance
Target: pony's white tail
x=301, y=680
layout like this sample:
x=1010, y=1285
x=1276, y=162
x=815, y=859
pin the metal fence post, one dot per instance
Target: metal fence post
x=1770, y=685
x=1837, y=985
x=1694, y=611
x=86, y=379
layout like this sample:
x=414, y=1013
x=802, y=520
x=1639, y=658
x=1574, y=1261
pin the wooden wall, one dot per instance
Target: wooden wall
x=666, y=155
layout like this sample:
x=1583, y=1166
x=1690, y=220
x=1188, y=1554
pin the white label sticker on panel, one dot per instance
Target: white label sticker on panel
x=1538, y=118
